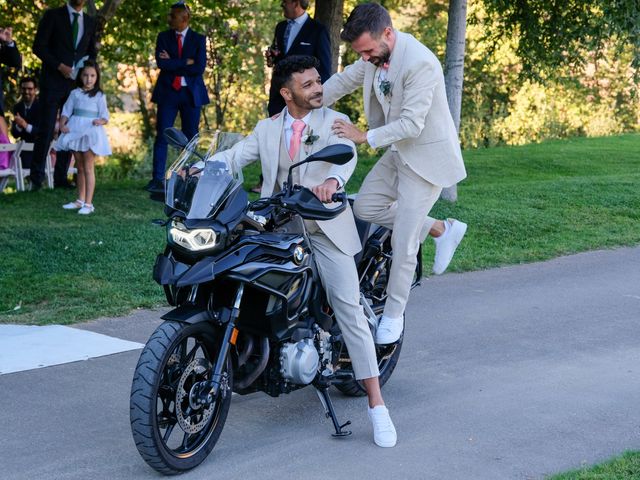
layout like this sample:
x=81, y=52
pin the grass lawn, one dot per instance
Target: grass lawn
x=522, y=204
x=625, y=467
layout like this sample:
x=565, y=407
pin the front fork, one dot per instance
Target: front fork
x=209, y=390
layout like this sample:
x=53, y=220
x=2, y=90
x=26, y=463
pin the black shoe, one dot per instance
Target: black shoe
x=154, y=186
x=65, y=185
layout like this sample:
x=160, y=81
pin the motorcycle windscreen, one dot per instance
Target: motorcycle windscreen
x=198, y=183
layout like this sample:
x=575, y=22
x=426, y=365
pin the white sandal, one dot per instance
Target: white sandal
x=73, y=205
x=86, y=209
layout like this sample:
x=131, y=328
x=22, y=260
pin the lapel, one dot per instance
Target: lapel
x=65, y=23
x=271, y=155
x=315, y=124
x=369, y=74
x=187, y=42
x=302, y=32
x=395, y=65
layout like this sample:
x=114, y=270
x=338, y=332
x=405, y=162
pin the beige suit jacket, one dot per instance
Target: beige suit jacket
x=263, y=144
x=416, y=119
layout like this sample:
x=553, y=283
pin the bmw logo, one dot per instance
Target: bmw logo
x=298, y=255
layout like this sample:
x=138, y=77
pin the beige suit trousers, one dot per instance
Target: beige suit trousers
x=340, y=280
x=394, y=196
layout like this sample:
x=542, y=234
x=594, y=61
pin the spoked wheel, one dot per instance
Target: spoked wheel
x=172, y=430
x=388, y=356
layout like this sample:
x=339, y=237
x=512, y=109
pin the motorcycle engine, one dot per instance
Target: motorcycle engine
x=299, y=362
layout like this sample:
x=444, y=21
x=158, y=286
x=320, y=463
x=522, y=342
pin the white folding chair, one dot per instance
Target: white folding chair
x=48, y=167
x=14, y=169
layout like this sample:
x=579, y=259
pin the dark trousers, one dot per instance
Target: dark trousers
x=173, y=103
x=50, y=102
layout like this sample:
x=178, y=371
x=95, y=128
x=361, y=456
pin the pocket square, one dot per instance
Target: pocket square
x=305, y=43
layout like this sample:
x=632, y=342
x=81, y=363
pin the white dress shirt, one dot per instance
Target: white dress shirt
x=80, y=22
x=296, y=26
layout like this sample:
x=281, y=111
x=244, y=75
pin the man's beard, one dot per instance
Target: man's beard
x=385, y=56
x=302, y=102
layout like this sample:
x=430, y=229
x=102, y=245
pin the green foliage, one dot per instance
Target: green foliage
x=554, y=33
x=582, y=54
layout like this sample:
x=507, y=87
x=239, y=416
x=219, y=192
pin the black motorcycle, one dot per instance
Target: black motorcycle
x=250, y=312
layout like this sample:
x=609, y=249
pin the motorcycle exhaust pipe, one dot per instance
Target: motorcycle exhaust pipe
x=244, y=355
x=264, y=359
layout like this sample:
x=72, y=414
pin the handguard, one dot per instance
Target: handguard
x=303, y=202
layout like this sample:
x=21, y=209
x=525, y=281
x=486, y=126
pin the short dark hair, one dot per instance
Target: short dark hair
x=286, y=67
x=370, y=18
x=181, y=5
x=96, y=88
x=29, y=79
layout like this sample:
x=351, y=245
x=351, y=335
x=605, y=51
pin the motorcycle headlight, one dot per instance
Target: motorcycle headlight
x=195, y=240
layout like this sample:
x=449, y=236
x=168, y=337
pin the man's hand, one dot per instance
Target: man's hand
x=19, y=121
x=190, y=61
x=325, y=190
x=348, y=130
x=99, y=121
x=65, y=70
x=164, y=55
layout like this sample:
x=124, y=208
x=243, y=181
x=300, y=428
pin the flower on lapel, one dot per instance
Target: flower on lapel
x=385, y=88
x=308, y=140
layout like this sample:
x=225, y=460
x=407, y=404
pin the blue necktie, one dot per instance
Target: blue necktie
x=287, y=33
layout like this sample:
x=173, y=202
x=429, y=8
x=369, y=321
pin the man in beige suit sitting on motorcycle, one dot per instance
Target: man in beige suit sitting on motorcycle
x=303, y=128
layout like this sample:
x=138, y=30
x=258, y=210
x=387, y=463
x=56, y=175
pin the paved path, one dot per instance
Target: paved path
x=510, y=373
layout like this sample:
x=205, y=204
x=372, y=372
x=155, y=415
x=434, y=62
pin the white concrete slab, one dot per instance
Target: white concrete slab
x=25, y=347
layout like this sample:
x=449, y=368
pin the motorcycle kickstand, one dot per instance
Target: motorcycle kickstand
x=325, y=399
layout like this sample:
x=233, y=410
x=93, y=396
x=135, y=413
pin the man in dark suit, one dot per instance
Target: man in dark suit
x=9, y=56
x=65, y=35
x=298, y=35
x=26, y=117
x=181, y=56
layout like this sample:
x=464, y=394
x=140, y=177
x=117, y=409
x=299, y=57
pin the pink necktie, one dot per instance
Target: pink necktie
x=294, y=144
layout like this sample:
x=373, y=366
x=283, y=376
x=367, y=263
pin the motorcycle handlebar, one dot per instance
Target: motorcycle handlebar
x=339, y=197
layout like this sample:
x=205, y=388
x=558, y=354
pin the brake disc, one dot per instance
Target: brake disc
x=191, y=417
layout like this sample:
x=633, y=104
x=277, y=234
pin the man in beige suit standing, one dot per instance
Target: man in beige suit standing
x=406, y=108
x=302, y=128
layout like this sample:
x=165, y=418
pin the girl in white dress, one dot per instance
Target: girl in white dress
x=82, y=131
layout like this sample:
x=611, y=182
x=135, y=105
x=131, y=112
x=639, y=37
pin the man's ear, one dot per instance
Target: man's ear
x=286, y=94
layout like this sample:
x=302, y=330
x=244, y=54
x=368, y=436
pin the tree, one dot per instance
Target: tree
x=329, y=13
x=551, y=33
x=454, y=70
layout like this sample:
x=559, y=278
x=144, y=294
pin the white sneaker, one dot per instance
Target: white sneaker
x=86, y=209
x=384, y=433
x=447, y=243
x=389, y=330
x=73, y=205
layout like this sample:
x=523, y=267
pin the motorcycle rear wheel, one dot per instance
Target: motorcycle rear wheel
x=172, y=433
x=388, y=356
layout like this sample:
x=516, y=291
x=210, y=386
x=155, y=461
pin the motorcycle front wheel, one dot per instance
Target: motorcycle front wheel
x=171, y=431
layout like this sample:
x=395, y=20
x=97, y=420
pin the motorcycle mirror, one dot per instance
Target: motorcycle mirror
x=175, y=137
x=337, y=154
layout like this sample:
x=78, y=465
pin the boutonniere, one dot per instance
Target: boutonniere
x=308, y=140
x=385, y=88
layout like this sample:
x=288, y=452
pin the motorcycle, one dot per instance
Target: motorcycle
x=250, y=313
